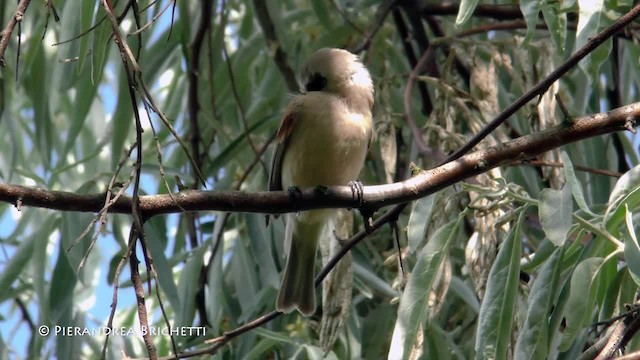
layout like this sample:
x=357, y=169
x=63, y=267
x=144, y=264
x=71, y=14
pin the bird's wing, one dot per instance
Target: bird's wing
x=289, y=121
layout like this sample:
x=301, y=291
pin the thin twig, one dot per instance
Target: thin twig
x=381, y=15
x=218, y=342
x=234, y=88
x=5, y=35
x=194, y=72
x=116, y=286
x=256, y=160
x=604, y=172
x=279, y=56
x=156, y=17
x=423, y=148
x=137, y=228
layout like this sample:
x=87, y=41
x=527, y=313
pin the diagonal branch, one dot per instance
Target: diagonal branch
x=543, y=85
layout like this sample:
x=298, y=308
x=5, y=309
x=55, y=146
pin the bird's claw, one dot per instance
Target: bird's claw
x=357, y=191
x=294, y=195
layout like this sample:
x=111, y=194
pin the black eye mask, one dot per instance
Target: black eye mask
x=315, y=82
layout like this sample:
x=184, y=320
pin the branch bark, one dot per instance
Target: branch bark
x=275, y=202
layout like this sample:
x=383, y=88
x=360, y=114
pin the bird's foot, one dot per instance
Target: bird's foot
x=357, y=191
x=294, y=196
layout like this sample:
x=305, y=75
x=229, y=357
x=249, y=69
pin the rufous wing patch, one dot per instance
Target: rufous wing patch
x=288, y=122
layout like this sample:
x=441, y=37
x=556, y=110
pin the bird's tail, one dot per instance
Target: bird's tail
x=298, y=286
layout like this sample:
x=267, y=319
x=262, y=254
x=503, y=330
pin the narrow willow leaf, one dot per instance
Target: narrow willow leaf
x=496, y=311
x=121, y=122
x=214, y=292
x=188, y=287
x=610, y=300
x=544, y=250
x=156, y=243
x=530, y=10
x=260, y=348
x=19, y=259
x=574, y=182
x=580, y=299
x=314, y=352
x=556, y=21
x=465, y=11
x=591, y=20
x=628, y=182
x=320, y=8
x=63, y=281
x=260, y=249
x=631, y=248
x=86, y=16
x=418, y=221
x=465, y=292
x=533, y=339
x=555, y=210
x=414, y=302
x=626, y=192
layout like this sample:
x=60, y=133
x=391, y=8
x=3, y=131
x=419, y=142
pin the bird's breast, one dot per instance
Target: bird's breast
x=327, y=145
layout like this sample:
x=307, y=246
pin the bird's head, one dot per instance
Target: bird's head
x=339, y=72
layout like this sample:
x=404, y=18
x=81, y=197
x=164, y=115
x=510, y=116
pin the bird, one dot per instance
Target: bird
x=322, y=140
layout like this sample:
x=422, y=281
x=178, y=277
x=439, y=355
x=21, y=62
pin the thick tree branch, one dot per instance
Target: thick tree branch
x=428, y=182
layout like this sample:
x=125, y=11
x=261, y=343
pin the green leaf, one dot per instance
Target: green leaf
x=498, y=305
x=320, y=8
x=533, y=339
x=34, y=86
x=465, y=292
x=632, y=248
x=368, y=277
x=232, y=150
x=188, y=287
x=260, y=249
x=418, y=220
x=17, y=262
x=261, y=348
x=574, y=183
x=63, y=281
x=556, y=21
x=465, y=11
x=122, y=121
x=275, y=336
x=544, y=250
x=86, y=15
x=72, y=226
x=315, y=353
x=580, y=302
x=591, y=20
x=414, y=302
x=530, y=10
x=555, y=210
x=626, y=192
x=156, y=242
x=215, y=281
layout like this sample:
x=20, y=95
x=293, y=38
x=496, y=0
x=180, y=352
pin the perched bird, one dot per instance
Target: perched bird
x=322, y=140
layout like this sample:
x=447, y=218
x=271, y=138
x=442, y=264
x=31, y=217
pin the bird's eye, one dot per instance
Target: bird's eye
x=315, y=82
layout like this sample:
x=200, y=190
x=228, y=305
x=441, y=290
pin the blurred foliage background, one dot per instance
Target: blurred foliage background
x=516, y=263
